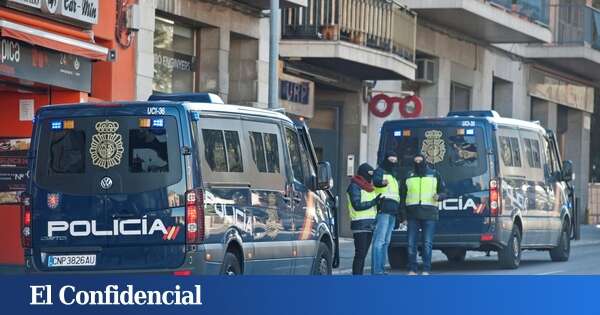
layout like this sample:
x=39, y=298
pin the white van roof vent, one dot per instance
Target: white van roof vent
x=475, y=113
x=187, y=97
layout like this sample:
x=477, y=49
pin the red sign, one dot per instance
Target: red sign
x=410, y=106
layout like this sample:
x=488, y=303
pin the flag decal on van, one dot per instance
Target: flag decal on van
x=172, y=232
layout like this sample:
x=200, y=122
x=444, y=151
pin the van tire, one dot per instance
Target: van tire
x=398, y=257
x=563, y=250
x=322, y=266
x=231, y=265
x=455, y=255
x=509, y=257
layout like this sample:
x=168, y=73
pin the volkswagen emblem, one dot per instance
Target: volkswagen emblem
x=106, y=183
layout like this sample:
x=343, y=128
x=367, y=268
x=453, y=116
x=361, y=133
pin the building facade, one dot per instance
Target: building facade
x=51, y=54
x=209, y=46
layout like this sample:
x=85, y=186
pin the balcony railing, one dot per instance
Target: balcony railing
x=380, y=24
x=535, y=10
x=576, y=25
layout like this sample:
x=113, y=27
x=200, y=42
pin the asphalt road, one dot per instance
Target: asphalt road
x=584, y=260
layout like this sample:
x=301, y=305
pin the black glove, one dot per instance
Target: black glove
x=442, y=196
x=378, y=199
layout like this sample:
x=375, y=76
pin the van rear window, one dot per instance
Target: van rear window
x=459, y=154
x=67, y=152
x=148, y=152
x=137, y=157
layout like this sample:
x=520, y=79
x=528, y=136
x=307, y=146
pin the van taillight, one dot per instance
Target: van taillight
x=495, y=198
x=194, y=216
x=26, y=221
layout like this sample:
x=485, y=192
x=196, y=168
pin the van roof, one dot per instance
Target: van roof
x=235, y=109
x=204, y=107
x=497, y=120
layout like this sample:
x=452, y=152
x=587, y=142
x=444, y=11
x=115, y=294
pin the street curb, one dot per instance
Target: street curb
x=474, y=254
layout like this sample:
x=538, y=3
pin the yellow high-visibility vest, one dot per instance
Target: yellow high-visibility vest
x=391, y=191
x=370, y=213
x=421, y=191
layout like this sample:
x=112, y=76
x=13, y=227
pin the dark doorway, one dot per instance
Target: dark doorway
x=325, y=134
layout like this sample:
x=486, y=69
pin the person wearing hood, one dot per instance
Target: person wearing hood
x=386, y=184
x=420, y=192
x=362, y=205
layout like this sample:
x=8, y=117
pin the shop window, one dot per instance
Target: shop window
x=174, y=57
x=460, y=97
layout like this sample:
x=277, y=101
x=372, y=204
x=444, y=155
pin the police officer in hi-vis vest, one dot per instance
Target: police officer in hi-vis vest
x=420, y=192
x=386, y=184
x=362, y=205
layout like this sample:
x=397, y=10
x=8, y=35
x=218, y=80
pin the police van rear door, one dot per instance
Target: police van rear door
x=124, y=204
x=458, y=150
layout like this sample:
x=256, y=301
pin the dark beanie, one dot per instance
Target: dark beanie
x=363, y=171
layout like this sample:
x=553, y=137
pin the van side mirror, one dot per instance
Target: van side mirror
x=567, y=171
x=324, y=176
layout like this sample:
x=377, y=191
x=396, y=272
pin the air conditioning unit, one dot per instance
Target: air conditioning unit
x=425, y=71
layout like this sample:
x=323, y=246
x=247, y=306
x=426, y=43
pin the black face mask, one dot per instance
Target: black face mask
x=388, y=166
x=419, y=167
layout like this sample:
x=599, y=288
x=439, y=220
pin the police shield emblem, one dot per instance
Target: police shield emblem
x=434, y=147
x=107, y=149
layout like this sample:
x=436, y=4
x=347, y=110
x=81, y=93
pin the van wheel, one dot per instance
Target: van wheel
x=231, y=265
x=322, y=265
x=398, y=257
x=562, y=251
x=455, y=255
x=509, y=257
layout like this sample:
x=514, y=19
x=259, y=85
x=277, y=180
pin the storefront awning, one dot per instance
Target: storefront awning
x=53, y=41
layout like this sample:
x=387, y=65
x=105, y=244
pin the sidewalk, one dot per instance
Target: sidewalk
x=590, y=235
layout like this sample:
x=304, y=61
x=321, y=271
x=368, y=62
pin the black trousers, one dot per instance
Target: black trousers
x=362, y=242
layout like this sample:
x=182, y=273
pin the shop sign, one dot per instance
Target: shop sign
x=24, y=61
x=561, y=91
x=382, y=105
x=173, y=61
x=296, y=95
x=13, y=168
x=85, y=11
x=81, y=10
x=295, y=92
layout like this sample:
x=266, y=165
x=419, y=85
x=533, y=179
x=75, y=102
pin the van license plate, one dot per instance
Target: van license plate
x=71, y=260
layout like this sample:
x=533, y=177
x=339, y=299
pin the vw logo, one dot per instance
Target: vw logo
x=106, y=183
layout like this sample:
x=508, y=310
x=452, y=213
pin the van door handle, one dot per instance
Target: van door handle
x=123, y=215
